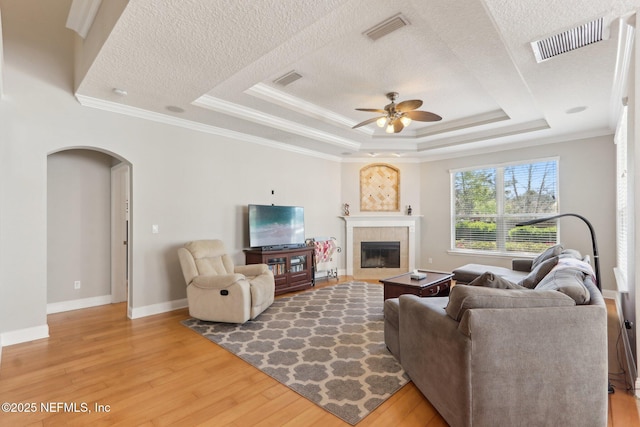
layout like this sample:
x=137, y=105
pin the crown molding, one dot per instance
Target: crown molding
x=278, y=97
x=463, y=123
x=221, y=106
x=81, y=16
x=489, y=134
x=487, y=137
x=383, y=157
x=493, y=146
x=487, y=143
x=115, y=107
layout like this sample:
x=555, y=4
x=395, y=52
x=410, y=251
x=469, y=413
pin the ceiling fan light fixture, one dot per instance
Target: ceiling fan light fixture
x=398, y=116
x=389, y=128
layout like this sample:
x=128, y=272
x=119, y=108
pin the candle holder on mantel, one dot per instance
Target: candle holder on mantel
x=409, y=210
x=346, y=209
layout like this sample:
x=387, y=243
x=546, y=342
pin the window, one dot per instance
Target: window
x=489, y=202
x=622, y=220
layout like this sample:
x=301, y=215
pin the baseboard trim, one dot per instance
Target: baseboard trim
x=24, y=335
x=163, y=307
x=77, y=304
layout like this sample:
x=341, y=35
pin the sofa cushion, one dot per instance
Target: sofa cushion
x=538, y=273
x=490, y=280
x=464, y=297
x=551, y=252
x=469, y=272
x=548, y=253
x=569, y=281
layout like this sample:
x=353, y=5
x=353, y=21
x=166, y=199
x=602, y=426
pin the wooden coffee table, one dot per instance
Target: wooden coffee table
x=437, y=283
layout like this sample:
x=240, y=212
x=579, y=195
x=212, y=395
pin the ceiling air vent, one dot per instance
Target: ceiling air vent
x=569, y=40
x=385, y=27
x=288, y=78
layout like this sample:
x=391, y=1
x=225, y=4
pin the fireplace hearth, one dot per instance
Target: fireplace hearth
x=380, y=255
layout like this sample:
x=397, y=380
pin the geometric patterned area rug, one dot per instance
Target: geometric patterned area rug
x=325, y=344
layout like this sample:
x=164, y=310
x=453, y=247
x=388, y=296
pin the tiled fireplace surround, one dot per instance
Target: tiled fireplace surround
x=381, y=228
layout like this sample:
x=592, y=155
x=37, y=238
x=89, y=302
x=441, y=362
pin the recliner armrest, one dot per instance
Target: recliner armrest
x=252, y=270
x=216, y=281
x=521, y=264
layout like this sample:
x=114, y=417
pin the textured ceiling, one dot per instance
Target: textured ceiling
x=470, y=62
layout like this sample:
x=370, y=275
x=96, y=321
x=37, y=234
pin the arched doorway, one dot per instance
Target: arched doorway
x=86, y=262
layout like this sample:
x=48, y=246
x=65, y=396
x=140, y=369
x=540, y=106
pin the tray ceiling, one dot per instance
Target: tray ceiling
x=215, y=66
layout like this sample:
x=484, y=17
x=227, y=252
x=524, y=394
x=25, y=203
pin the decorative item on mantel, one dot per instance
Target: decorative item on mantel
x=409, y=210
x=346, y=209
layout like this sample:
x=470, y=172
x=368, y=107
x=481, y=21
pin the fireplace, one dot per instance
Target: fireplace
x=380, y=228
x=380, y=255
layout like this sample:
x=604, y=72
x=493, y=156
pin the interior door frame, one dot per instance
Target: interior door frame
x=120, y=233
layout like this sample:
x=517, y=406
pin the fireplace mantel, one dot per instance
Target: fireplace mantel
x=354, y=221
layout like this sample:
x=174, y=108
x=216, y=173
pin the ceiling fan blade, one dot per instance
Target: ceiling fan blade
x=423, y=116
x=408, y=105
x=372, y=110
x=397, y=126
x=366, y=122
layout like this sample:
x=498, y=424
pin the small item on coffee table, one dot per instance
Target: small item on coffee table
x=418, y=275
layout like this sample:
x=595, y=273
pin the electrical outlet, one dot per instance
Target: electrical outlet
x=155, y=229
x=430, y=260
x=76, y=284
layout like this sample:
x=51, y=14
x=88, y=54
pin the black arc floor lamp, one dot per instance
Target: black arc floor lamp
x=594, y=244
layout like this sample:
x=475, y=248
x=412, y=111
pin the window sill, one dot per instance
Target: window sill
x=487, y=254
x=621, y=280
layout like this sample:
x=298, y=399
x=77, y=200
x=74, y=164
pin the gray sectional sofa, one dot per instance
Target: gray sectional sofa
x=493, y=354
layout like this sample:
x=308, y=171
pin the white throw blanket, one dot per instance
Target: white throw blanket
x=575, y=263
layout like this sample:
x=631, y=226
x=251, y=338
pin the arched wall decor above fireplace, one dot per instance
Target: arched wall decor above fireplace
x=379, y=188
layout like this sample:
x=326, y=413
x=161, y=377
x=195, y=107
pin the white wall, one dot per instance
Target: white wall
x=587, y=187
x=78, y=225
x=192, y=184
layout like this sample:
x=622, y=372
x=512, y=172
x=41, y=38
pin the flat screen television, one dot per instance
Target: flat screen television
x=276, y=227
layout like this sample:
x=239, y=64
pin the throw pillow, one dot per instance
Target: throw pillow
x=538, y=273
x=490, y=280
x=548, y=253
x=465, y=297
x=569, y=281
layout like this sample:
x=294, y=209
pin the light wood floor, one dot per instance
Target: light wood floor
x=154, y=371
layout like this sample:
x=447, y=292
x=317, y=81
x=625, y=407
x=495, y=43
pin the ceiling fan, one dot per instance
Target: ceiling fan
x=397, y=116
